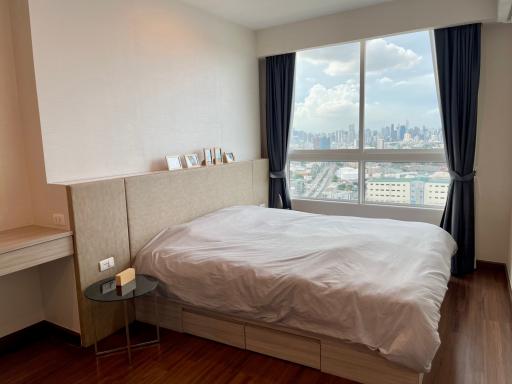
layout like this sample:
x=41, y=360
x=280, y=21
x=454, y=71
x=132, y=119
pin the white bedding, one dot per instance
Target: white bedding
x=371, y=281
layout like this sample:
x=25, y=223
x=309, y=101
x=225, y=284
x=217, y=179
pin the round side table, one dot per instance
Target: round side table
x=105, y=291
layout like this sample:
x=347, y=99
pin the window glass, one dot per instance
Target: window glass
x=401, y=103
x=324, y=180
x=326, y=93
x=420, y=184
x=401, y=112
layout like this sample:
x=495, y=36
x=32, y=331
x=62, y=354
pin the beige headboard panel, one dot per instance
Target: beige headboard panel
x=100, y=230
x=116, y=217
x=157, y=201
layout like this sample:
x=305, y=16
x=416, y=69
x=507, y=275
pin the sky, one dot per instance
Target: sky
x=400, y=85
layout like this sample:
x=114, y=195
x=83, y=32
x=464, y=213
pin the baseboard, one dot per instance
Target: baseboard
x=490, y=264
x=36, y=332
x=497, y=266
x=509, y=283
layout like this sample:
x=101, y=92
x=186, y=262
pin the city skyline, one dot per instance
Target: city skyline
x=393, y=136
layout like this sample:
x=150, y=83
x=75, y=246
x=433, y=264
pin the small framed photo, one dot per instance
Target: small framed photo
x=191, y=160
x=173, y=162
x=229, y=157
x=217, y=155
x=208, y=158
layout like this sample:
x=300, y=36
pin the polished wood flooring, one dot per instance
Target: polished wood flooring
x=476, y=332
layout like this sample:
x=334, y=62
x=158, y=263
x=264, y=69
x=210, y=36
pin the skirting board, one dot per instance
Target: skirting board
x=43, y=329
x=350, y=361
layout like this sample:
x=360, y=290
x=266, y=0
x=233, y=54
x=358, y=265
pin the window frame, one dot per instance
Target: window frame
x=362, y=155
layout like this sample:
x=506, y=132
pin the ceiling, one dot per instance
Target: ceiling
x=258, y=14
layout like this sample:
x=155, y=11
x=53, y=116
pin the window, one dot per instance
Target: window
x=366, y=124
x=329, y=180
x=326, y=110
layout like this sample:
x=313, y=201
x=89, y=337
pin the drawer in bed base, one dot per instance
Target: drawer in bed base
x=298, y=349
x=358, y=363
x=223, y=331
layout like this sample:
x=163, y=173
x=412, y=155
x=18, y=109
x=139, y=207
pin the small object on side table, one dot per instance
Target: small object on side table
x=125, y=277
x=106, y=291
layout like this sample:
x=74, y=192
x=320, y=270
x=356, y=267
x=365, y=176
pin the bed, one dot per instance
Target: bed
x=375, y=282
x=321, y=299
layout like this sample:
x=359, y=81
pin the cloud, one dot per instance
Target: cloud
x=382, y=55
x=336, y=60
x=336, y=68
x=325, y=109
x=384, y=80
x=401, y=82
x=433, y=111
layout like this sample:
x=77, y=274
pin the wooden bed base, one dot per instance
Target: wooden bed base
x=350, y=361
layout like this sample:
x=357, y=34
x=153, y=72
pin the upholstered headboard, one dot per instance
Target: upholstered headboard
x=157, y=201
x=117, y=217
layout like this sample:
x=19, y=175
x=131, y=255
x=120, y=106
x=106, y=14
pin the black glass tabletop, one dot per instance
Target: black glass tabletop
x=106, y=290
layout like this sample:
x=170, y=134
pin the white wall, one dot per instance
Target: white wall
x=45, y=292
x=122, y=83
x=15, y=200
x=494, y=144
x=509, y=258
x=45, y=199
x=378, y=20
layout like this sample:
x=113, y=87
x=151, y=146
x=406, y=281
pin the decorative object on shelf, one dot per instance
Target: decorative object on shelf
x=208, y=158
x=173, y=163
x=229, y=157
x=124, y=277
x=191, y=160
x=217, y=155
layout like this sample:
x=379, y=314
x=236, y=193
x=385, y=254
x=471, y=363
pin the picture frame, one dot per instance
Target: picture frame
x=173, y=162
x=191, y=160
x=229, y=157
x=208, y=157
x=217, y=155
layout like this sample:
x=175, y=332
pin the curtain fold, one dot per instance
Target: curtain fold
x=280, y=71
x=458, y=66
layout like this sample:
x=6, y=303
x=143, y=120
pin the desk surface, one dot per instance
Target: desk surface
x=18, y=238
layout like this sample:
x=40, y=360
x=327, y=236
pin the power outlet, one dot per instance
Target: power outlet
x=106, y=264
x=58, y=219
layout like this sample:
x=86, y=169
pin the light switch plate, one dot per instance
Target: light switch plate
x=106, y=264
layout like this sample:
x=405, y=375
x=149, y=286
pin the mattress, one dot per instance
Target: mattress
x=375, y=282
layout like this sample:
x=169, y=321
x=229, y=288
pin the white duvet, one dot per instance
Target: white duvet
x=370, y=281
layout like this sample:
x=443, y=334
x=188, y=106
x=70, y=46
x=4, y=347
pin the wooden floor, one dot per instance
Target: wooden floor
x=476, y=332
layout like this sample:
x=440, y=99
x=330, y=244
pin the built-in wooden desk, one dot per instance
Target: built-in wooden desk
x=26, y=247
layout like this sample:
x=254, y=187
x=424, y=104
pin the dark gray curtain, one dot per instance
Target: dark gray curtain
x=458, y=66
x=280, y=72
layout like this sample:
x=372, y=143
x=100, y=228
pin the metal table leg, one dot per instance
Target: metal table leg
x=129, y=346
x=127, y=327
x=93, y=306
x=157, y=320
